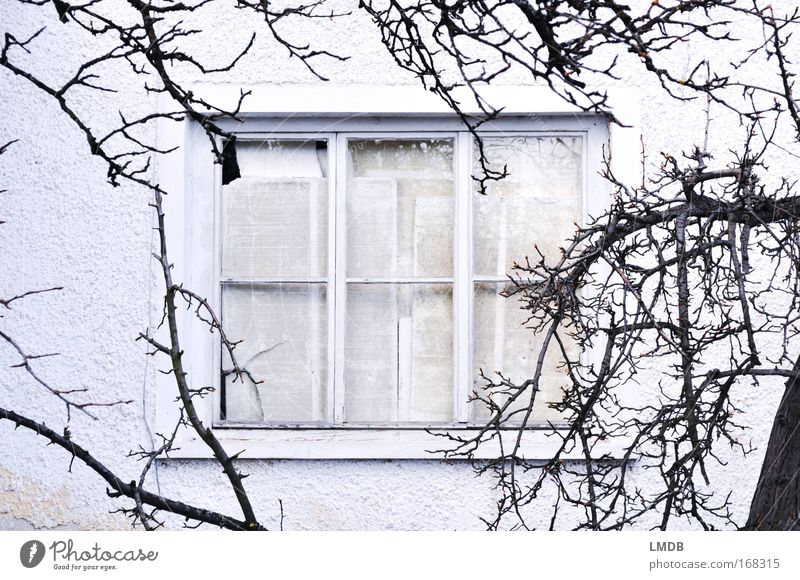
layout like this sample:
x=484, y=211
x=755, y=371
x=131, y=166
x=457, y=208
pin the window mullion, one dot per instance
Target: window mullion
x=331, y=279
x=338, y=273
x=462, y=250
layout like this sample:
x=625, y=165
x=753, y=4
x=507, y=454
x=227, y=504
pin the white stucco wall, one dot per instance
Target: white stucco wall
x=67, y=227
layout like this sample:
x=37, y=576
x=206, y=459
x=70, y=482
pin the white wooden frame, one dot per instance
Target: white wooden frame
x=191, y=209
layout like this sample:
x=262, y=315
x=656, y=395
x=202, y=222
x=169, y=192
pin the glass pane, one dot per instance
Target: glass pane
x=537, y=204
x=283, y=328
x=399, y=353
x=275, y=217
x=502, y=343
x=400, y=208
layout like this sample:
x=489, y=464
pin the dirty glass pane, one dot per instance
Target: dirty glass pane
x=536, y=205
x=399, y=353
x=275, y=217
x=284, y=329
x=400, y=208
x=502, y=343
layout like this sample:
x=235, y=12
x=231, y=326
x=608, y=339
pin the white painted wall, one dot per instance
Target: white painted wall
x=67, y=227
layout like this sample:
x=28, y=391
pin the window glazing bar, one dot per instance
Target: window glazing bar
x=266, y=281
x=399, y=280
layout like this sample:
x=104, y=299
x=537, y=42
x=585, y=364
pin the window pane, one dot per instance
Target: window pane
x=276, y=215
x=283, y=328
x=400, y=208
x=399, y=353
x=502, y=343
x=537, y=204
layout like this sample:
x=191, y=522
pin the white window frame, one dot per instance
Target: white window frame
x=193, y=205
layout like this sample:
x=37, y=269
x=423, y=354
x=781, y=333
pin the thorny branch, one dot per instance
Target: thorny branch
x=667, y=275
x=118, y=488
x=661, y=298
x=150, y=45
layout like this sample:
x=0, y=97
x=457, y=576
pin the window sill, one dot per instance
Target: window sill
x=370, y=443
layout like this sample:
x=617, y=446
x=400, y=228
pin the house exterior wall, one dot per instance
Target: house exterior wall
x=65, y=226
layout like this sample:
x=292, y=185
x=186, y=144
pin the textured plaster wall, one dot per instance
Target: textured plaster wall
x=67, y=227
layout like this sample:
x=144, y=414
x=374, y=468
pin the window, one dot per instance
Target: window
x=362, y=270
x=339, y=272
